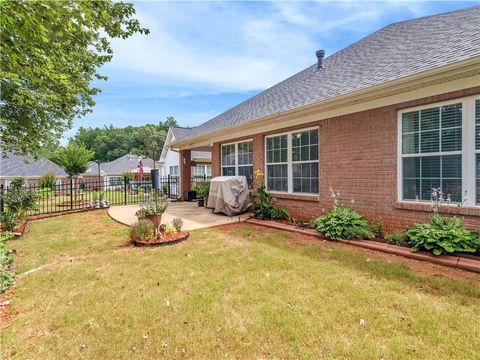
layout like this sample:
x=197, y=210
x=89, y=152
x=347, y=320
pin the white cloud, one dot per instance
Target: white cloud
x=235, y=47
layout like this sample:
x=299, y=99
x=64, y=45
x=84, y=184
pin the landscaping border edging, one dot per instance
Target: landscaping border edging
x=447, y=260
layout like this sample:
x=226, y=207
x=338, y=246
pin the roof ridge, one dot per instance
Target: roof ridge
x=430, y=16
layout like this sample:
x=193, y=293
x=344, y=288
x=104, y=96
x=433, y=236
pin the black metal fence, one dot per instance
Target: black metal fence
x=95, y=193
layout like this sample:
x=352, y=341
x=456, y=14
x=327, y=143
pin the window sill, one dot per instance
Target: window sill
x=291, y=196
x=444, y=209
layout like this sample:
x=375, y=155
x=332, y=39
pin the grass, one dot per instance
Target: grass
x=53, y=202
x=247, y=292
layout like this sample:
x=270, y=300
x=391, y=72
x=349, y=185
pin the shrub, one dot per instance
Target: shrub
x=143, y=230
x=47, y=181
x=9, y=220
x=44, y=192
x=18, y=199
x=443, y=236
x=177, y=223
x=6, y=260
x=377, y=229
x=265, y=207
x=202, y=190
x=397, y=238
x=343, y=223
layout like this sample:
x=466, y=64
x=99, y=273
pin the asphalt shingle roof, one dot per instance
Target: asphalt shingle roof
x=26, y=166
x=181, y=132
x=393, y=52
x=123, y=164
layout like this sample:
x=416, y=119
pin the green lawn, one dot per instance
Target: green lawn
x=53, y=203
x=243, y=293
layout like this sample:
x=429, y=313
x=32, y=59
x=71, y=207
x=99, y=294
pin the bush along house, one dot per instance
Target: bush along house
x=383, y=122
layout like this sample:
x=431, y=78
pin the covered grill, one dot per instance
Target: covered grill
x=229, y=195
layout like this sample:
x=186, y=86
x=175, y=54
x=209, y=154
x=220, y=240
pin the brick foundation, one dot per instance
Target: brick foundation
x=358, y=158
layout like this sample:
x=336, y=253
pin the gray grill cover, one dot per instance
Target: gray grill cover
x=228, y=195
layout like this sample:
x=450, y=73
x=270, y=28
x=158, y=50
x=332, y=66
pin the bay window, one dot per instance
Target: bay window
x=237, y=159
x=436, y=147
x=292, y=162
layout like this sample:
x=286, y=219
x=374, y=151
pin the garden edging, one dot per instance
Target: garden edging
x=447, y=260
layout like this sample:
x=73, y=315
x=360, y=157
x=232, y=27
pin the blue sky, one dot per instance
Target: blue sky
x=202, y=58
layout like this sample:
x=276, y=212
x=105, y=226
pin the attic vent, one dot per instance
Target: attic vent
x=320, y=55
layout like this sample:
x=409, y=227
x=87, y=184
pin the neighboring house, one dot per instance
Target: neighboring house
x=382, y=122
x=26, y=167
x=113, y=171
x=170, y=161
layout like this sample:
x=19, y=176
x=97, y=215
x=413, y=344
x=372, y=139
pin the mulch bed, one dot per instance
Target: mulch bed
x=465, y=261
x=19, y=229
x=164, y=239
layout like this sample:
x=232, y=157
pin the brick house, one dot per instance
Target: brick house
x=382, y=121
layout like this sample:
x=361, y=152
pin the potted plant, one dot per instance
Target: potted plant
x=202, y=190
x=152, y=210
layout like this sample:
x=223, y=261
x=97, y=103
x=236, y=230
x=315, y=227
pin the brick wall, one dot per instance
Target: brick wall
x=358, y=158
x=185, y=171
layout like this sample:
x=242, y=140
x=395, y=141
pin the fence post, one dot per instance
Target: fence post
x=71, y=194
x=125, y=190
x=168, y=186
x=2, y=208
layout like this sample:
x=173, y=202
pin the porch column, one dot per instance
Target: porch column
x=185, y=172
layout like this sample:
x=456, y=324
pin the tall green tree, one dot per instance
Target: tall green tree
x=50, y=52
x=109, y=143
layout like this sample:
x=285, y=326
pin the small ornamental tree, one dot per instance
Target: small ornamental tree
x=74, y=160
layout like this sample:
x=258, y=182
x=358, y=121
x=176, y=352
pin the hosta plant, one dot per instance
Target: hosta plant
x=443, y=236
x=343, y=223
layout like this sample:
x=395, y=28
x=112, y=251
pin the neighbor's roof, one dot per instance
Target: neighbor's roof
x=26, y=166
x=123, y=164
x=393, y=52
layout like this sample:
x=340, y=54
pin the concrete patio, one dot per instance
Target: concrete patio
x=193, y=216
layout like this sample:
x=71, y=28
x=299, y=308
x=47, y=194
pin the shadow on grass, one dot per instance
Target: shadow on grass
x=463, y=291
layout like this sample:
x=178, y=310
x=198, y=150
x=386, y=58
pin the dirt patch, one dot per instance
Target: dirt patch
x=5, y=309
x=417, y=266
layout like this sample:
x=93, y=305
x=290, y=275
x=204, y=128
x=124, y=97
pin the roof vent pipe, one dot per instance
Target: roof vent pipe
x=320, y=55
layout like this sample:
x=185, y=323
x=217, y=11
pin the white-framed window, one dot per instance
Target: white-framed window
x=237, y=159
x=173, y=170
x=437, y=148
x=292, y=162
x=202, y=170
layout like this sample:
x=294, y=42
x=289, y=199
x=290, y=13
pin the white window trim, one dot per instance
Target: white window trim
x=174, y=167
x=290, y=162
x=468, y=149
x=236, y=165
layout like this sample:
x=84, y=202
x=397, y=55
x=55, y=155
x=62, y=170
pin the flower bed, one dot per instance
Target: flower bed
x=19, y=229
x=163, y=239
x=462, y=261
